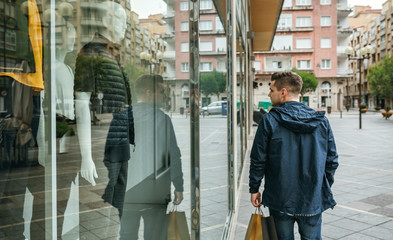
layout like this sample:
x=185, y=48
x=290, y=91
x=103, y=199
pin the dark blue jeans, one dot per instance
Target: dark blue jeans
x=309, y=227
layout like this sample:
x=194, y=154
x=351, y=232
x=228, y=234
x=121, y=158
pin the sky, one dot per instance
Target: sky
x=146, y=7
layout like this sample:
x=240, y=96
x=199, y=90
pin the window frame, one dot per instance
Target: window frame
x=322, y=21
x=206, y=21
x=184, y=67
x=308, y=61
x=184, y=24
x=324, y=64
x=303, y=39
x=298, y=19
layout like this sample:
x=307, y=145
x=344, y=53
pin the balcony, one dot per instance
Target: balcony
x=291, y=51
x=344, y=30
x=341, y=52
x=170, y=55
x=295, y=29
x=343, y=10
x=298, y=8
x=344, y=72
x=169, y=15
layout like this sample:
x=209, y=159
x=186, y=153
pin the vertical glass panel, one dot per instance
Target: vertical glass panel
x=213, y=129
x=23, y=199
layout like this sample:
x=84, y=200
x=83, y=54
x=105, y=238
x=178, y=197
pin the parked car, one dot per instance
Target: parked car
x=212, y=108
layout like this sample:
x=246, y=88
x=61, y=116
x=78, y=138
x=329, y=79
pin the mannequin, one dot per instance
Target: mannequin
x=91, y=80
x=64, y=92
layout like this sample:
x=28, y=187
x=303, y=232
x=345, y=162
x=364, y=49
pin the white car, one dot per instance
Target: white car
x=213, y=108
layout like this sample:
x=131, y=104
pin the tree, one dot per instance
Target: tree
x=213, y=83
x=133, y=72
x=310, y=82
x=380, y=77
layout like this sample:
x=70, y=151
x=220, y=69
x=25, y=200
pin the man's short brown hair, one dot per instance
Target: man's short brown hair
x=288, y=80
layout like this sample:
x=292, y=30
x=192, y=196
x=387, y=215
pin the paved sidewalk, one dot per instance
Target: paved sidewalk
x=363, y=186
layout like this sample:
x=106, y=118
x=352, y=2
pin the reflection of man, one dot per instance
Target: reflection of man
x=98, y=73
x=154, y=164
x=294, y=148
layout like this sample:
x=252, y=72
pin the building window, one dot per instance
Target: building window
x=285, y=21
x=183, y=6
x=303, y=43
x=303, y=2
x=184, y=47
x=303, y=64
x=277, y=64
x=258, y=65
x=221, y=44
x=282, y=42
x=325, y=21
x=303, y=22
x=219, y=26
x=184, y=67
x=205, y=25
x=221, y=64
x=326, y=43
x=184, y=26
x=206, y=67
x=206, y=46
x=205, y=4
x=287, y=3
x=325, y=64
x=325, y=2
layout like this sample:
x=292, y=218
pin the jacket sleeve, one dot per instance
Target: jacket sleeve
x=331, y=158
x=175, y=159
x=258, y=156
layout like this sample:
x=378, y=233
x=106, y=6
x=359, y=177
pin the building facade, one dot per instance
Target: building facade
x=311, y=36
x=378, y=34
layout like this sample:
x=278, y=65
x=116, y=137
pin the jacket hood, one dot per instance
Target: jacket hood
x=297, y=117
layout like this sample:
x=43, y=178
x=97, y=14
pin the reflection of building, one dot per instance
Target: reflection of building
x=378, y=33
x=311, y=36
x=212, y=46
x=362, y=15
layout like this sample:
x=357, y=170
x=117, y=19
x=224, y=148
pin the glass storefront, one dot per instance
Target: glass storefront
x=100, y=132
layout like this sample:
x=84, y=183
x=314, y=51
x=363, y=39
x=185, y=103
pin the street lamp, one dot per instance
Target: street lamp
x=364, y=54
x=145, y=59
x=159, y=56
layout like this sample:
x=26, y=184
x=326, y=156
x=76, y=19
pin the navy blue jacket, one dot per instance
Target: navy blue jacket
x=294, y=149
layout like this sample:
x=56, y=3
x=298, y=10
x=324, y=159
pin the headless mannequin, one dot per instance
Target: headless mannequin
x=114, y=20
x=64, y=93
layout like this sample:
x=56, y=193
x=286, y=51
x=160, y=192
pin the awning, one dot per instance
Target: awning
x=263, y=21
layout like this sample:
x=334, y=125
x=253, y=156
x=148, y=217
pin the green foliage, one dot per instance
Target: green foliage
x=133, y=71
x=213, y=83
x=310, y=82
x=62, y=128
x=380, y=77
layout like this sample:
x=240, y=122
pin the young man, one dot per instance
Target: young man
x=294, y=150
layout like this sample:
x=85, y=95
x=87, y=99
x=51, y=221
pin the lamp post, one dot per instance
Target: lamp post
x=159, y=56
x=364, y=54
x=145, y=59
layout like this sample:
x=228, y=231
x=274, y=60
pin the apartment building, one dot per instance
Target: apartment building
x=310, y=36
x=378, y=34
x=212, y=46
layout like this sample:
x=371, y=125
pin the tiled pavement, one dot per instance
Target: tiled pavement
x=363, y=186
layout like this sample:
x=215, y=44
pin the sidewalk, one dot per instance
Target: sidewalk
x=363, y=187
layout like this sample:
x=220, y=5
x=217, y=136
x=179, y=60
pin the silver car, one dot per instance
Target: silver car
x=213, y=108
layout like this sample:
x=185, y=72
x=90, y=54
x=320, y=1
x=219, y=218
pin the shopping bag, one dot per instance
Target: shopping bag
x=177, y=226
x=261, y=227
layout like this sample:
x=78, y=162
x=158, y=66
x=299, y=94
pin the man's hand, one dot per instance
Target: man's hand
x=178, y=198
x=256, y=199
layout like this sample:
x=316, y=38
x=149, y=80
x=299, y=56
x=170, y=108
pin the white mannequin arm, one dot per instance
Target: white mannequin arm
x=41, y=134
x=83, y=121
